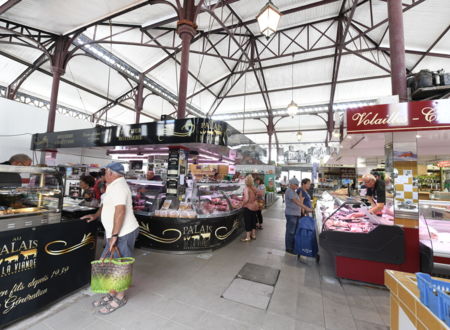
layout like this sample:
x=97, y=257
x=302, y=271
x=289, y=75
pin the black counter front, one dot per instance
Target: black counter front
x=39, y=265
x=185, y=234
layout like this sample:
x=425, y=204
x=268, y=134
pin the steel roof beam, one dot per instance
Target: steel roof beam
x=311, y=85
x=431, y=47
x=8, y=5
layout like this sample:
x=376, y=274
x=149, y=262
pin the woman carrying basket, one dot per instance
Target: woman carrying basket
x=121, y=228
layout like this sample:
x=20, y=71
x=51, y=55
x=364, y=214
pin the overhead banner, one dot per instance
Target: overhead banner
x=190, y=130
x=409, y=116
x=42, y=264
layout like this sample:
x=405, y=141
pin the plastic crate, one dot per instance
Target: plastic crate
x=432, y=295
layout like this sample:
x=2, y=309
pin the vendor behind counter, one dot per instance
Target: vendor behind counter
x=376, y=192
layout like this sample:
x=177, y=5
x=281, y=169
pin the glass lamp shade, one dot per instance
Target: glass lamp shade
x=268, y=19
x=299, y=136
x=292, y=108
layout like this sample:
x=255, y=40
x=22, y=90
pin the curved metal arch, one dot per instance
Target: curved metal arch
x=155, y=2
x=38, y=46
x=94, y=58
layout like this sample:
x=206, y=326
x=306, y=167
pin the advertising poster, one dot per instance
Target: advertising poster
x=42, y=264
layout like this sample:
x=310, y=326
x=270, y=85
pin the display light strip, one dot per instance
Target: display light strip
x=311, y=109
x=121, y=66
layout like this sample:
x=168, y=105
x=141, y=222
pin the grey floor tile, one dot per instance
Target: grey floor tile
x=175, y=326
x=364, y=313
x=73, y=316
x=249, y=293
x=39, y=326
x=275, y=322
x=364, y=325
x=300, y=325
x=188, y=315
x=210, y=321
x=102, y=325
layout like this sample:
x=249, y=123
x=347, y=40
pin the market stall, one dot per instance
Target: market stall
x=365, y=248
x=179, y=212
x=43, y=254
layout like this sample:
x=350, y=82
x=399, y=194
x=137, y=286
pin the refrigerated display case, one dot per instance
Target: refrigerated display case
x=36, y=242
x=209, y=216
x=434, y=230
x=29, y=196
x=349, y=232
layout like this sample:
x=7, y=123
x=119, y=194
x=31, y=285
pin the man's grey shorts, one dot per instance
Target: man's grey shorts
x=124, y=243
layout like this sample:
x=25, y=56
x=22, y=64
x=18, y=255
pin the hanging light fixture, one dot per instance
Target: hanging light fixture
x=268, y=19
x=292, y=108
x=299, y=133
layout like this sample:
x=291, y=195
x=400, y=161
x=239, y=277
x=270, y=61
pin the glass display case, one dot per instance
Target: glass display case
x=216, y=199
x=351, y=215
x=202, y=200
x=29, y=196
x=147, y=196
x=349, y=230
x=434, y=228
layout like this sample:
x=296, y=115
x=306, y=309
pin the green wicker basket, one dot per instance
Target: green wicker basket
x=111, y=274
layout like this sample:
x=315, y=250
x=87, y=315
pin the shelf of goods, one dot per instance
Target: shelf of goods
x=271, y=197
x=44, y=255
x=434, y=232
x=208, y=216
x=349, y=232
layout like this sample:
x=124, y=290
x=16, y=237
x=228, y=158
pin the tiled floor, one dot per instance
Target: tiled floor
x=183, y=292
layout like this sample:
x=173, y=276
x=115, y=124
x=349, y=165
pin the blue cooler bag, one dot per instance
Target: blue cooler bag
x=305, y=238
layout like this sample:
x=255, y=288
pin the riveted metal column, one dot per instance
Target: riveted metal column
x=139, y=99
x=57, y=73
x=270, y=132
x=397, y=49
x=186, y=30
x=58, y=69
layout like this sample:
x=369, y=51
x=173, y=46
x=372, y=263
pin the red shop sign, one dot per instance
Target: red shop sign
x=409, y=116
x=444, y=163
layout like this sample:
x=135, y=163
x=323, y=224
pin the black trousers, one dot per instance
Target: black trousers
x=249, y=219
x=259, y=217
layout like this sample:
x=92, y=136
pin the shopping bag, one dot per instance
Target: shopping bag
x=305, y=238
x=111, y=274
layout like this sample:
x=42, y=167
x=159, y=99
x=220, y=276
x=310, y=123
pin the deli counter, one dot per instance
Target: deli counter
x=207, y=216
x=43, y=256
x=353, y=236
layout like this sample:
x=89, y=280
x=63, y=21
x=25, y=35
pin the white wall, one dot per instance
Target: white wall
x=19, y=121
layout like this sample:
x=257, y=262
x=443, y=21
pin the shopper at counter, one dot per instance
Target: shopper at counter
x=100, y=184
x=19, y=160
x=376, y=192
x=305, y=198
x=8, y=179
x=152, y=177
x=87, y=184
x=250, y=207
x=121, y=227
x=293, y=213
x=261, y=201
x=283, y=187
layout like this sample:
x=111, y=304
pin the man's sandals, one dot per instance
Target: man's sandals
x=106, y=304
x=103, y=301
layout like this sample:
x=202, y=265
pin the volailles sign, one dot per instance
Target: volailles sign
x=410, y=116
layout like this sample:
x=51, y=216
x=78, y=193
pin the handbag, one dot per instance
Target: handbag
x=261, y=204
x=111, y=274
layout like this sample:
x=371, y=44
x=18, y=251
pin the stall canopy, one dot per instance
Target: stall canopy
x=235, y=73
